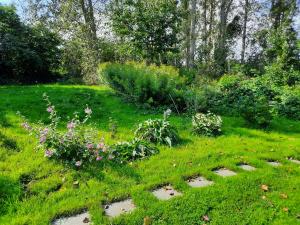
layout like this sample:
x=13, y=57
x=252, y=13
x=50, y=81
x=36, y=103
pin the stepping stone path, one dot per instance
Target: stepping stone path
x=247, y=167
x=117, y=208
x=274, y=163
x=79, y=219
x=294, y=160
x=225, y=172
x=166, y=192
x=199, y=182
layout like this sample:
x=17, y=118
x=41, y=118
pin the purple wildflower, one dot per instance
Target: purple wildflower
x=78, y=163
x=49, y=153
x=88, y=111
x=26, y=126
x=100, y=145
x=50, y=109
x=89, y=146
x=45, y=131
x=71, y=125
x=43, y=139
x=99, y=158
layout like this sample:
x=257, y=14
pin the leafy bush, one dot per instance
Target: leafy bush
x=207, y=124
x=28, y=54
x=150, y=85
x=136, y=149
x=76, y=146
x=158, y=131
x=256, y=110
x=289, y=105
x=277, y=75
x=202, y=99
x=230, y=81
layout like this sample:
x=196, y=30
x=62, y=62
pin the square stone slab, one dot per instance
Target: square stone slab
x=274, y=163
x=294, y=161
x=225, y=172
x=166, y=192
x=117, y=208
x=247, y=167
x=79, y=219
x=199, y=182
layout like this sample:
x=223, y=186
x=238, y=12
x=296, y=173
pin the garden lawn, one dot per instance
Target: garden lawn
x=36, y=190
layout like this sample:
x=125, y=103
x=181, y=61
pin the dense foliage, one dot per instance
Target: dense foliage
x=207, y=124
x=133, y=150
x=158, y=131
x=27, y=54
x=152, y=27
x=149, y=85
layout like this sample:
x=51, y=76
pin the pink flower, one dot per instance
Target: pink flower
x=100, y=145
x=49, y=153
x=26, y=126
x=71, y=125
x=43, y=139
x=205, y=218
x=89, y=146
x=78, y=163
x=50, y=109
x=45, y=132
x=99, y=158
x=88, y=111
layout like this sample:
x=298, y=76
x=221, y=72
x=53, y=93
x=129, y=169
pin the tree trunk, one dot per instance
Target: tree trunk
x=193, y=32
x=244, y=35
x=186, y=8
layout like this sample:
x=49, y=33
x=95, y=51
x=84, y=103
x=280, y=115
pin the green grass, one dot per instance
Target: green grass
x=34, y=190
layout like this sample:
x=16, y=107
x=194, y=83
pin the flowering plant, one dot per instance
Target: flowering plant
x=75, y=146
x=158, y=130
x=207, y=124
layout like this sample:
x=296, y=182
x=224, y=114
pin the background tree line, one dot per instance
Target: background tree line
x=69, y=38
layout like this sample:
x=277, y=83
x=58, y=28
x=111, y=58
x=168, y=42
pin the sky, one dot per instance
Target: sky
x=297, y=19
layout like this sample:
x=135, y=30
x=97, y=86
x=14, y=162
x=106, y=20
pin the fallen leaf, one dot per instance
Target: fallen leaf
x=205, y=218
x=264, y=187
x=147, y=220
x=282, y=195
x=285, y=209
x=86, y=220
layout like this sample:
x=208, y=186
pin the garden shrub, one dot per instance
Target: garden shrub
x=279, y=76
x=202, y=99
x=289, y=105
x=150, y=85
x=230, y=81
x=133, y=150
x=158, y=131
x=207, y=124
x=76, y=146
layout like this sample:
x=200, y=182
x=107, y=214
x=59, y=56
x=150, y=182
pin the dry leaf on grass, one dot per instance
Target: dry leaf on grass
x=264, y=187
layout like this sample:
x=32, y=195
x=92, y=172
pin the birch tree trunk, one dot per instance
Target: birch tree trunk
x=193, y=32
x=244, y=35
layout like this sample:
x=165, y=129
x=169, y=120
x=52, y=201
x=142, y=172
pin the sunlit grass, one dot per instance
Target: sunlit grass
x=36, y=190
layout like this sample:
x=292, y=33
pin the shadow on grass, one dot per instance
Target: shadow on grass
x=8, y=143
x=237, y=126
